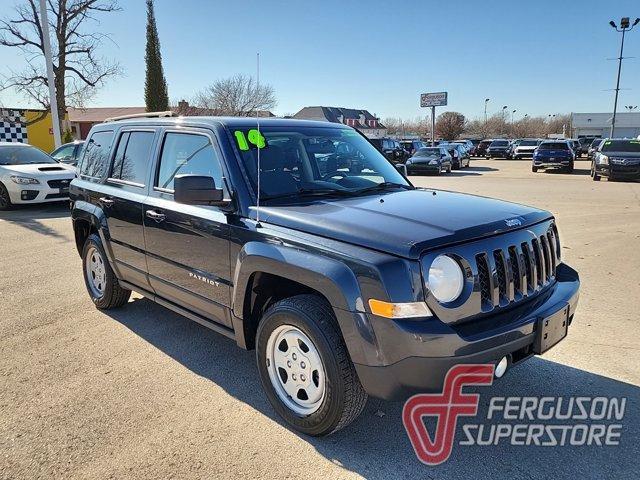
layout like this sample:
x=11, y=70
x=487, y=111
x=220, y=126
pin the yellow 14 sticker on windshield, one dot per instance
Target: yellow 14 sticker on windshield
x=253, y=137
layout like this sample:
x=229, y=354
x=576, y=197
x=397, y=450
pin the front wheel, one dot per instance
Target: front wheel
x=304, y=366
x=594, y=173
x=5, y=199
x=102, y=284
x=534, y=169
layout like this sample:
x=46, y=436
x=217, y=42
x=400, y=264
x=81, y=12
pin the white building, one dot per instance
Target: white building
x=599, y=124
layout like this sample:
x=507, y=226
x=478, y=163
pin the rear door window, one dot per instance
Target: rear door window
x=133, y=156
x=95, y=162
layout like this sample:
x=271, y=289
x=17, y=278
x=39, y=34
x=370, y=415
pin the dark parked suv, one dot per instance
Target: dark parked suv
x=616, y=159
x=391, y=149
x=300, y=240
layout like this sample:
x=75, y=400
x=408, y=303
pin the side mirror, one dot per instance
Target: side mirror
x=402, y=168
x=197, y=190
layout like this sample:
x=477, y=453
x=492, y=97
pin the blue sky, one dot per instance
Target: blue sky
x=537, y=57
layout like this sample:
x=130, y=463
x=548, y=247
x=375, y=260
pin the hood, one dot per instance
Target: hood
x=405, y=223
x=424, y=159
x=42, y=169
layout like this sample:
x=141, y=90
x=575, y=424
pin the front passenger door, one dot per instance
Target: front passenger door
x=188, y=245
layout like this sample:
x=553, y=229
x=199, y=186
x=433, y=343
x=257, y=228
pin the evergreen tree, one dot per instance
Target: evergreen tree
x=156, y=96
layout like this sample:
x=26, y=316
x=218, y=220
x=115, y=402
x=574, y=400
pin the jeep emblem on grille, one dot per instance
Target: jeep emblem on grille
x=513, y=222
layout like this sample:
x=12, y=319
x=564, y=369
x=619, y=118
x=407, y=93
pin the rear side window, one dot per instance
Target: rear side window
x=95, y=162
x=184, y=153
x=133, y=157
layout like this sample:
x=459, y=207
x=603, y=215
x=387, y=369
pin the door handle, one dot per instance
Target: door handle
x=158, y=217
x=107, y=202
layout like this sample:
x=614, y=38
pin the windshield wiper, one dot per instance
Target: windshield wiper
x=382, y=187
x=310, y=192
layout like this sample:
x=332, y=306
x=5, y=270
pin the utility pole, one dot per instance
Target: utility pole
x=53, y=100
x=624, y=26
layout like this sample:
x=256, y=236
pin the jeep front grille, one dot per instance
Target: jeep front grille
x=504, y=270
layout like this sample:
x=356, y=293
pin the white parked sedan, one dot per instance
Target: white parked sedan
x=28, y=175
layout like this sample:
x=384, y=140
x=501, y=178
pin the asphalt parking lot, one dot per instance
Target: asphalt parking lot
x=140, y=392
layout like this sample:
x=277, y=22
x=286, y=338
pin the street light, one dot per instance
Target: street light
x=624, y=26
x=486, y=100
x=512, y=112
x=504, y=109
x=630, y=107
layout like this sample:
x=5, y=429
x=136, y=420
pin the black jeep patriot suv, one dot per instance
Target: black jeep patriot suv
x=345, y=278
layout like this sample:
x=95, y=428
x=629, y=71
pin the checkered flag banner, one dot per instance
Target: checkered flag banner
x=13, y=126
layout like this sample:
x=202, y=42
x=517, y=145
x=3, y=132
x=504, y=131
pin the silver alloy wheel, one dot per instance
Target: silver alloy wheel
x=295, y=369
x=95, y=270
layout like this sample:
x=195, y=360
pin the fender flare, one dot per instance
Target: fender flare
x=93, y=215
x=333, y=279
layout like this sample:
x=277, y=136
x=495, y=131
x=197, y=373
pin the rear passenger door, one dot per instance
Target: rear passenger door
x=122, y=201
x=188, y=245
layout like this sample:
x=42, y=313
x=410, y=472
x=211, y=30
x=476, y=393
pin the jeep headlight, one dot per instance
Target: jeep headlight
x=24, y=180
x=446, y=280
x=603, y=159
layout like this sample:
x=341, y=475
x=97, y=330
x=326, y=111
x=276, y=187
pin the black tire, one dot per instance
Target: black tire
x=5, y=200
x=594, y=174
x=570, y=168
x=534, y=169
x=449, y=169
x=113, y=295
x=344, y=398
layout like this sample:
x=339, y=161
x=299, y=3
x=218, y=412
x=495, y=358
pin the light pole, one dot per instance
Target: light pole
x=486, y=100
x=512, y=112
x=624, y=26
x=53, y=101
x=504, y=109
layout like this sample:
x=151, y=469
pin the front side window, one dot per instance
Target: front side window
x=187, y=153
x=21, y=155
x=133, y=155
x=95, y=162
x=297, y=161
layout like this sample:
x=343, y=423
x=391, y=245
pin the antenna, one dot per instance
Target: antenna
x=259, y=135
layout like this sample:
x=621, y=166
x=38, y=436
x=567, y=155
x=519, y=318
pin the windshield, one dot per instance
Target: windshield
x=428, y=152
x=499, y=143
x=21, y=155
x=297, y=161
x=595, y=142
x=528, y=143
x=554, y=146
x=628, y=146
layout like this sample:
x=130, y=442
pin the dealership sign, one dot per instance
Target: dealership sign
x=437, y=99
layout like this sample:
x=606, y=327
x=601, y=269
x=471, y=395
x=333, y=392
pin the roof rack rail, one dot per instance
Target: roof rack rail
x=167, y=113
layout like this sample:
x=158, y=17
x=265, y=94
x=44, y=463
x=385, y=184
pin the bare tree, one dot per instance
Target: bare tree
x=449, y=125
x=77, y=67
x=237, y=96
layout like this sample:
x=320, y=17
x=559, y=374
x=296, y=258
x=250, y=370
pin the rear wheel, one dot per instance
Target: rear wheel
x=305, y=368
x=570, y=168
x=101, y=282
x=5, y=200
x=594, y=173
x=534, y=169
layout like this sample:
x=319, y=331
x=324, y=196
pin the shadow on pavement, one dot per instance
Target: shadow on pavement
x=376, y=445
x=31, y=216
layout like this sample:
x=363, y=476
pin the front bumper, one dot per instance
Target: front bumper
x=626, y=172
x=552, y=163
x=418, y=353
x=498, y=153
x=38, y=193
x=423, y=167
